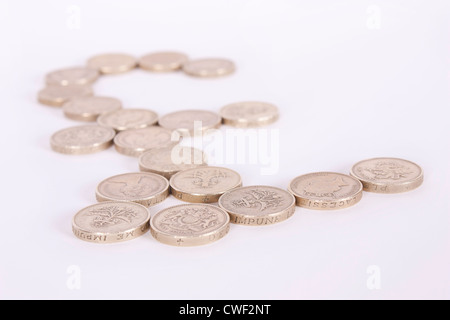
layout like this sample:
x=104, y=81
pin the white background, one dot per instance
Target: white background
x=353, y=80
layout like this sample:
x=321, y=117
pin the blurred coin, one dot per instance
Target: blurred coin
x=213, y=67
x=190, y=121
x=163, y=61
x=249, y=114
x=112, y=63
x=126, y=119
x=90, y=108
x=72, y=76
x=56, y=96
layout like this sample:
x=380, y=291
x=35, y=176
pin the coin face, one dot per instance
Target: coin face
x=136, y=142
x=388, y=175
x=126, y=119
x=249, y=114
x=144, y=188
x=190, y=121
x=56, y=96
x=72, y=76
x=109, y=222
x=112, y=63
x=258, y=205
x=90, y=108
x=163, y=61
x=326, y=190
x=209, y=67
x=82, y=139
x=190, y=225
x=204, y=184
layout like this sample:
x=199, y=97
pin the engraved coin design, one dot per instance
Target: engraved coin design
x=204, y=184
x=112, y=63
x=163, y=61
x=249, y=114
x=388, y=175
x=109, y=222
x=82, y=139
x=168, y=161
x=326, y=190
x=258, y=205
x=126, y=119
x=72, y=76
x=90, y=108
x=136, y=142
x=56, y=96
x=213, y=67
x=144, y=188
x=190, y=225
x=190, y=121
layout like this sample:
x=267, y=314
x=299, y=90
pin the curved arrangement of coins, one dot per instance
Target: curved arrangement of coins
x=122, y=212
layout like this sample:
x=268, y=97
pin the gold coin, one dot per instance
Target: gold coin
x=56, y=96
x=168, y=161
x=209, y=67
x=110, y=222
x=144, y=188
x=190, y=121
x=388, y=175
x=72, y=76
x=326, y=190
x=190, y=225
x=112, y=63
x=135, y=142
x=163, y=61
x=82, y=139
x=249, y=114
x=90, y=108
x=258, y=205
x=126, y=119
x=204, y=184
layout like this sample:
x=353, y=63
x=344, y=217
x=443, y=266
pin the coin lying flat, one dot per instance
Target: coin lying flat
x=249, y=114
x=135, y=142
x=82, y=139
x=126, y=119
x=326, y=190
x=190, y=121
x=144, y=188
x=90, y=108
x=112, y=63
x=168, y=161
x=190, y=225
x=258, y=205
x=110, y=222
x=204, y=184
x=388, y=175
x=72, y=76
x=209, y=67
x=56, y=96
x=163, y=61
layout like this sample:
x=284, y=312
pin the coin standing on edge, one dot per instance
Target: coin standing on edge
x=209, y=68
x=204, y=184
x=249, y=114
x=191, y=121
x=112, y=63
x=90, y=108
x=258, y=205
x=388, y=175
x=163, y=61
x=190, y=225
x=144, y=188
x=56, y=96
x=110, y=222
x=126, y=119
x=72, y=76
x=326, y=190
x=82, y=139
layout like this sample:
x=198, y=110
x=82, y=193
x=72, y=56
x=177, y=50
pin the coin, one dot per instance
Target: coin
x=72, y=76
x=168, y=161
x=326, y=190
x=144, y=188
x=126, y=119
x=163, y=61
x=388, y=175
x=204, y=184
x=258, y=205
x=82, y=139
x=212, y=67
x=110, y=222
x=135, y=142
x=190, y=225
x=190, y=121
x=249, y=114
x=112, y=63
x=90, y=108
x=56, y=96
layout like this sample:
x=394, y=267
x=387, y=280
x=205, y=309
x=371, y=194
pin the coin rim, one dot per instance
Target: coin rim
x=245, y=123
x=115, y=70
x=166, y=68
x=216, y=75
